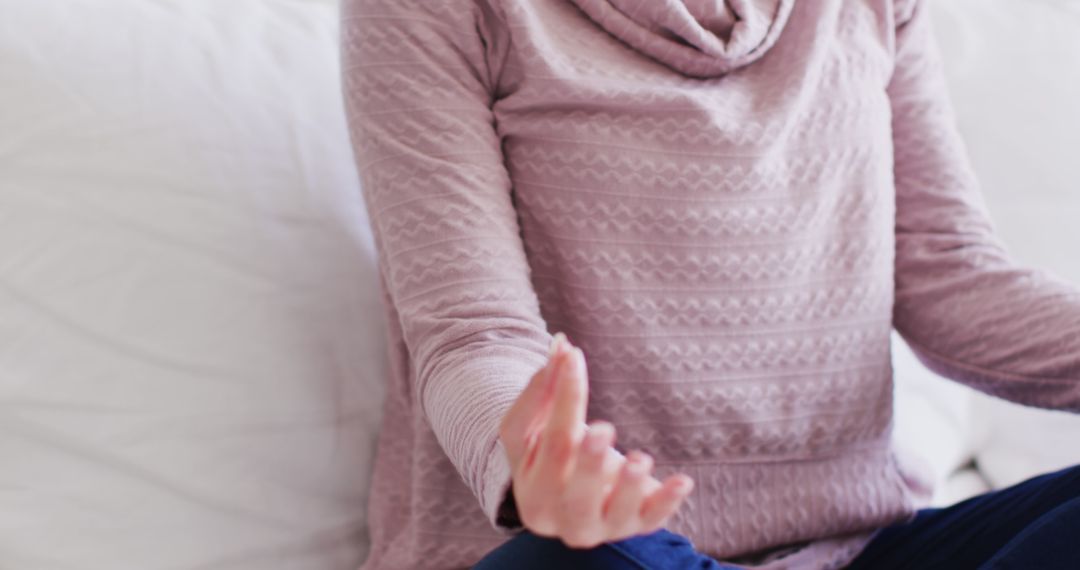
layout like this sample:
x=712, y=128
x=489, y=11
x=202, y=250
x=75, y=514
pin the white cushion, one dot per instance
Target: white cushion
x=932, y=425
x=190, y=348
x=1014, y=74
x=1014, y=77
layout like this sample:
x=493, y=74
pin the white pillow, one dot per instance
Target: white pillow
x=190, y=347
x=932, y=423
x=1014, y=73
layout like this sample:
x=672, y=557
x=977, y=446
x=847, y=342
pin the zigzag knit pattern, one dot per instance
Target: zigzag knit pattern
x=729, y=223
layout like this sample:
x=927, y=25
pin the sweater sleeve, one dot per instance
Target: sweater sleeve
x=418, y=93
x=966, y=309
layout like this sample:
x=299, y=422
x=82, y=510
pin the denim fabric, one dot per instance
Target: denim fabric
x=1031, y=525
x=660, y=550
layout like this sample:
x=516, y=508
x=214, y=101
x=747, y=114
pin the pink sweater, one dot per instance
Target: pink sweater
x=728, y=205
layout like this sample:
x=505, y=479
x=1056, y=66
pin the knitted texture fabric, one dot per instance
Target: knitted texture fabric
x=728, y=206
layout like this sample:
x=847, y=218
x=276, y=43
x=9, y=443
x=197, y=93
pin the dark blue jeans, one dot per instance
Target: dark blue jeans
x=1031, y=525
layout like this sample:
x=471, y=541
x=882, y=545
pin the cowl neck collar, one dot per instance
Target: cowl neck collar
x=699, y=38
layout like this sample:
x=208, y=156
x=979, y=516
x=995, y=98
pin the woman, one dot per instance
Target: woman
x=727, y=206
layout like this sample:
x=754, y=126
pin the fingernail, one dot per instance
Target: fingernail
x=599, y=436
x=562, y=365
x=579, y=361
x=557, y=342
x=636, y=467
x=683, y=486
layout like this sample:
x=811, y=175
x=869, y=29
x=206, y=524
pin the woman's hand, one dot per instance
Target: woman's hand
x=569, y=481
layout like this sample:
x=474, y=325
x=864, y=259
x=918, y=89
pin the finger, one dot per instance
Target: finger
x=623, y=507
x=525, y=417
x=529, y=410
x=556, y=447
x=532, y=450
x=540, y=477
x=660, y=505
x=571, y=395
x=580, y=511
x=566, y=424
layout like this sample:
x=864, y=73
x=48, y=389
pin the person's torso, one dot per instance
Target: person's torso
x=722, y=250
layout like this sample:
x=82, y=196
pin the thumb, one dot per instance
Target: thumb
x=529, y=411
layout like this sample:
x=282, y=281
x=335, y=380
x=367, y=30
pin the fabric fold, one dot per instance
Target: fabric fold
x=699, y=38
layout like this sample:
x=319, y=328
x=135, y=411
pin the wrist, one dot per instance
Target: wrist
x=506, y=515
